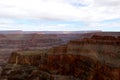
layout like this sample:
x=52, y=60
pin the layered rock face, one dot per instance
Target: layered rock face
x=95, y=58
x=106, y=49
x=23, y=42
x=29, y=41
x=88, y=59
x=80, y=67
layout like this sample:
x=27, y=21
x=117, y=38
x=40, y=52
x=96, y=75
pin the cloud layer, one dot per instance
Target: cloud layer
x=86, y=11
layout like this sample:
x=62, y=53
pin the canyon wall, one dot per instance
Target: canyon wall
x=22, y=41
x=95, y=58
x=25, y=42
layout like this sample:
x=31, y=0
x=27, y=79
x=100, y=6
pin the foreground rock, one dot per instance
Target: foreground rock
x=95, y=58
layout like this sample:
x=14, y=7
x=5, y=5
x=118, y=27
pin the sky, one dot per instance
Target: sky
x=60, y=15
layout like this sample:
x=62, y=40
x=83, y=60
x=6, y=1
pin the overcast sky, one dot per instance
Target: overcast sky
x=60, y=15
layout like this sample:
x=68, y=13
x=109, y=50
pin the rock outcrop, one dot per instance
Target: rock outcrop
x=81, y=67
x=95, y=58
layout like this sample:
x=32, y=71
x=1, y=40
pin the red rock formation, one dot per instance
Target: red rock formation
x=17, y=58
x=79, y=66
x=87, y=59
x=58, y=50
x=97, y=37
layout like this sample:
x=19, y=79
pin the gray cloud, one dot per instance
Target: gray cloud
x=110, y=3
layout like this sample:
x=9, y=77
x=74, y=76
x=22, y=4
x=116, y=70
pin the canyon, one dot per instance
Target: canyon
x=18, y=41
x=89, y=56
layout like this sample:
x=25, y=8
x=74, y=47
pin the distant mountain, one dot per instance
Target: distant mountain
x=44, y=32
x=11, y=32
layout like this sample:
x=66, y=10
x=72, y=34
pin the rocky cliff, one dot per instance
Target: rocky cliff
x=95, y=58
x=24, y=42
